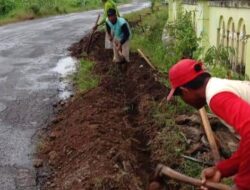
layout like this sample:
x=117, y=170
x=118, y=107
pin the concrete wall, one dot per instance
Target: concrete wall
x=221, y=24
x=232, y=24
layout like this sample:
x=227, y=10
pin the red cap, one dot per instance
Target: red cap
x=182, y=73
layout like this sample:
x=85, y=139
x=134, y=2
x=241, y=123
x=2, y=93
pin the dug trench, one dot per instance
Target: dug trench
x=99, y=140
x=106, y=138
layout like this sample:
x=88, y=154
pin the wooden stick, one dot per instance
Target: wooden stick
x=209, y=134
x=91, y=36
x=146, y=59
x=164, y=170
x=196, y=160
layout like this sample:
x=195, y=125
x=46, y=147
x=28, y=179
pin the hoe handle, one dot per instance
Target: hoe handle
x=209, y=134
x=91, y=36
x=97, y=19
x=166, y=171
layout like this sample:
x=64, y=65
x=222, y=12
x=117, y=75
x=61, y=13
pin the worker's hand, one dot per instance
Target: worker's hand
x=119, y=47
x=234, y=187
x=210, y=174
x=111, y=38
x=95, y=27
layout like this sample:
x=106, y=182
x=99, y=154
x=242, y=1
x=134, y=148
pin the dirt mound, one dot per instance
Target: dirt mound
x=111, y=137
x=99, y=140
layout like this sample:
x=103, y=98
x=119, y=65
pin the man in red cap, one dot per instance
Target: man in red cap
x=230, y=101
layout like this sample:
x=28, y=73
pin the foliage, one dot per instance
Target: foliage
x=156, y=2
x=84, y=79
x=6, y=6
x=191, y=168
x=35, y=9
x=148, y=35
x=13, y=10
x=219, y=55
x=185, y=42
x=218, y=61
x=168, y=145
x=82, y=3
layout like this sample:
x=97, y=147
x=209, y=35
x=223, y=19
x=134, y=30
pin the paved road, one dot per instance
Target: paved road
x=28, y=86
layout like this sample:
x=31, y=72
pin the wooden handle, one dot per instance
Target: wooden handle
x=164, y=170
x=91, y=36
x=209, y=134
x=98, y=17
x=146, y=59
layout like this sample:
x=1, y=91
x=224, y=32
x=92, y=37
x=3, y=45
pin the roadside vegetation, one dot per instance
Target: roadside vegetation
x=84, y=78
x=182, y=42
x=147, y=26
x=160, y=139
x=168, y=146
x=16, y=10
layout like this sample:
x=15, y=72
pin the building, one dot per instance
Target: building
x=224, y=22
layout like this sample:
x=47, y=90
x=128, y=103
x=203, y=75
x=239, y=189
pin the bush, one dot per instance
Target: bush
x=185, y=40
x=79, y=3
x=6, y=6
x=35, y=9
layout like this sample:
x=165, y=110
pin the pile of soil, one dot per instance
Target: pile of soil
x=108, y=138
x=99, y=140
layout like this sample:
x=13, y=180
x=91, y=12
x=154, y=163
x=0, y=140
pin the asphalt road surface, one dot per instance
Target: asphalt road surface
x=31, y=54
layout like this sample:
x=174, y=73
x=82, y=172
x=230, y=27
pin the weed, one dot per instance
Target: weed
x=35, y=9
x=84, y=79
x=14, y=10
x=150, y=41
x=6, y=6
x=168, y=145
x=191, y=169
x=185, y=41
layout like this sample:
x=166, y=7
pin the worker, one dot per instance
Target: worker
x=108, y=4
x=227, y=99
x=119, y=33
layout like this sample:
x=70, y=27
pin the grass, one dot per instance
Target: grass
x=168, y=145
x=17, y=10
x=84, y=79
x=150, y=40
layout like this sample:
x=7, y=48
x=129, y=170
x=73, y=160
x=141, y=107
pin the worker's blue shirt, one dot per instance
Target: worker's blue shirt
x=118, y=29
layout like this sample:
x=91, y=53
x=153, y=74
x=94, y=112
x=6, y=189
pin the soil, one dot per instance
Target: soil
x=107, y=138
x=99, y=140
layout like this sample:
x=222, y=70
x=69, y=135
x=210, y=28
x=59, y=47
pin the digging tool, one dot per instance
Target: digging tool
x=123, y=63
x=123, y=59
x=162, y=170
x=119, y=51
x=197, y=161
x=146, y=59
x=209, y=134
x=91, y=35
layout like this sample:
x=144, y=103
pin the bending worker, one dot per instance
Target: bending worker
x=119, y=33
x=230, y=101
x=108, y=4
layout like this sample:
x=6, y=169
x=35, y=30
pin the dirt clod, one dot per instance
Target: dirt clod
x=37, y=163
